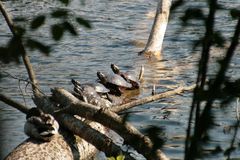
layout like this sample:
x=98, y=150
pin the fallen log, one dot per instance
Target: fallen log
x=111, y=120
x=81, y=147
x=66, y=148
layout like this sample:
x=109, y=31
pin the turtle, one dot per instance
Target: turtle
x=88, y=94
x=114, y=82
x=40, y=125
x=128, y=76
x=98, y=87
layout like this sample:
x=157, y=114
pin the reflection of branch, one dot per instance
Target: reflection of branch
x=150, y=98
x=13, y=103
x=25, y=58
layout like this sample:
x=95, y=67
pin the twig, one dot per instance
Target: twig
x=19, y=86
x=24, y=80
x=13, y=103
x=144, y=100
x=25, y=58
x=237, y=108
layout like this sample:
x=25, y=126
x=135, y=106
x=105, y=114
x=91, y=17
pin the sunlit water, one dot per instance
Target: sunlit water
x=118, y=26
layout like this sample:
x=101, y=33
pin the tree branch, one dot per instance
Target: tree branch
x=98, y=139
x=25, y=58
x=150, y=98
x=13, y=103
x=109, y=119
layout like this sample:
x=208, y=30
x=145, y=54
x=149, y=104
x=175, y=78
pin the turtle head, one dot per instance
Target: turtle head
x=115, y=69
x=76, y=83
x=101, y=77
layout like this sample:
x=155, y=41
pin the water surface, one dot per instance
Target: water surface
x=117, y=27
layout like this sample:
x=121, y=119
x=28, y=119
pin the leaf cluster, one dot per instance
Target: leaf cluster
x=120, y=157
x=65, y=21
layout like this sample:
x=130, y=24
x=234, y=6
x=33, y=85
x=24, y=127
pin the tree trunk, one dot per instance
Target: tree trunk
x=155, y=40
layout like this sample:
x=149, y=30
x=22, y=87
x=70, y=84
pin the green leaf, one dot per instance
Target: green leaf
x=235, y=13
x=70, y=28
x=66, y=2
x=61, y=13
x=218, y=39
x=19, y=30
x=83, y=22
x=12, y=52
x=193, y=13
x=111, y=158
x=57, y=31
x=37, y=22
x=7, y=57
x=177, y=4
x=34, y=44
x=120, y=157
x=19, y=19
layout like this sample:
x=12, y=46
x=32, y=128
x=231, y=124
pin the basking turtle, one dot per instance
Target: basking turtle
x=101, y=89
x=40, y=125
x=128, y=76
x=88, y=94
x=115, y=83
x=98, y=87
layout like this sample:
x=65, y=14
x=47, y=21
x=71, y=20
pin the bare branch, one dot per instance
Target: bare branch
x=24, y=80
x=25, y=58
x=13, y=103
x=98, y=139
x=151, y=98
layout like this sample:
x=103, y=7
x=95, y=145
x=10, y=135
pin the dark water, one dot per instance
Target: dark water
x=118, y=29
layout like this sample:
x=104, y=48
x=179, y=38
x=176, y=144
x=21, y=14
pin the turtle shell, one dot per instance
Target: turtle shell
x=89, y=87
x=129, y=77
x=118, y=80
x=100, y=88
x=114, y=79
